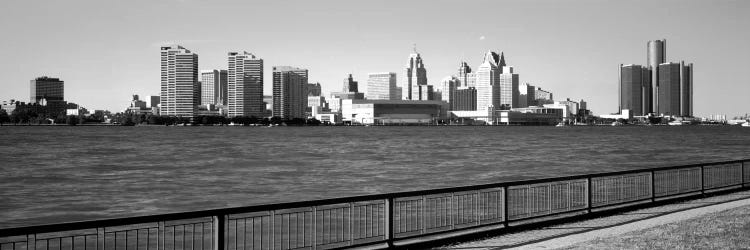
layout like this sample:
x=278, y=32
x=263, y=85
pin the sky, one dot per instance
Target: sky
x=105, y=50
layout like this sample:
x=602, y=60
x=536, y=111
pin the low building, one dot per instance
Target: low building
x=383, y=112
x=531, y=116
x=328, y=118
x=624, y=114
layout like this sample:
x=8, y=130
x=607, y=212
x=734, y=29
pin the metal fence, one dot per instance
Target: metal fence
x=382, y=220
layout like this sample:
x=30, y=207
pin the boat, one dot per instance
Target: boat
x=675, y=123
x=746, y=124
x=617, y=124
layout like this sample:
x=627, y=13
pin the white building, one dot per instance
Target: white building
x=214, y=87
x=382, y=86
x=508, y=89
x=245, y=85
x=488, y=83
x=179, y=81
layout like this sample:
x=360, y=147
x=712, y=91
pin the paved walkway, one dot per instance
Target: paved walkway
x=565, y=235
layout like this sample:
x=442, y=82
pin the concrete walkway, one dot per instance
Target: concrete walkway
x=566, y=235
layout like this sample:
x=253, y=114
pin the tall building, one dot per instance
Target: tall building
x=656, y=54
x=465, y=77
x=179, y=81
x=350, y=85
x=245, y=85
x=414, y=75
x=214, y=87
x=508, y=88
x=526, y=95
x=671, y=89
x=47, y=88
x=289, y=92
x=382, y=86
x=464, y=99
x=488, y=82
x=635, y=89
x=448, y=85
x=686, y=89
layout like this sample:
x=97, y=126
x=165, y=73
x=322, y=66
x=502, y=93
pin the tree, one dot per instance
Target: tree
x=71, y=120
x=4, y=117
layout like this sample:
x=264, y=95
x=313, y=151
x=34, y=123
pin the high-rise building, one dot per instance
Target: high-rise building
x=656, y=54
x=526, y=95
x=635, y=89
x=414, y=75
x=488, y=82
x=179, y=81
x=464, y=99
x=465, y=77
x=214, y=87
x=350, y=85
x=508, y=88
x=686, y=89
x=314, y=89
x=382, y=86
x=674, y=90
x=245, y=85
x=47, y=88
x=289, y=92
x=448, y=85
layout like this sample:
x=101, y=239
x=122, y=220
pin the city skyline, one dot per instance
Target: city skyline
x=545, y=50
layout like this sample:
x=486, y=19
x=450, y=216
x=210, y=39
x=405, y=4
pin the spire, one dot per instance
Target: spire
x=502, y=60
x=415, y=48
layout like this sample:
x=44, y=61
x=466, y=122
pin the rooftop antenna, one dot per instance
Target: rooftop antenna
x=415, y=48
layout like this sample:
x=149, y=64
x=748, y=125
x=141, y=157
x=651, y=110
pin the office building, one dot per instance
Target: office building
x=686, y=89
x=382, y=86
x=508, y=88
x=464, y=99
x=314, y=89
x=542, y=97
x=214, y=87
x=47, y=88
x=289, y=92
x=414, y=75
x=525, y=95
x=465, y=77
x=448, y=85
x=350, y=85
x=671, y=90
x=244, y=85
x=488, y=82
x=179, y=81
x=635, y=89
x=656, y=54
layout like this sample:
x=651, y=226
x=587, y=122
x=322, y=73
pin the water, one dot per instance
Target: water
x=61, y=174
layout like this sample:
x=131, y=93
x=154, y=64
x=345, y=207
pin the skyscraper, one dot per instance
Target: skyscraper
x=314, y=89
x=448, y=85
x=414, y=75
x=214, y=87
x=508, y=87
x=179, y=81
x=635, y=89
x=525, y=95
x=350, y=85
x=382, y=86
x=47, y=88
x=488, y=82
x=675, y=89
x=465, y=77
x=289, y=92
x=245, y=85
x=656, y=54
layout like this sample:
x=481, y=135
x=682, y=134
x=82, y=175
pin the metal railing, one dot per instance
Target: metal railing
x=383, y=220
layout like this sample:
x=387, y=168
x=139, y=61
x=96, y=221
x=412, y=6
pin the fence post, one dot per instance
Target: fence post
x=589, y=194
x=389, y=221
x=31, y=241
x=742, y=171
x=653, y=186
x=703, y=180
x=218, y=231
x=505, y=206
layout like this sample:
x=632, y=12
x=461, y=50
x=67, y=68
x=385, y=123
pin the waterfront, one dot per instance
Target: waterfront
x=56, y=174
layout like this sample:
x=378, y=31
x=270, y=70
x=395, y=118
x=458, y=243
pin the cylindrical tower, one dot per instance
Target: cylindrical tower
x=656, y=54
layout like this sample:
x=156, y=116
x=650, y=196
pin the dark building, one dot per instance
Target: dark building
x=350, y=85
x=50, y=89
x=686, y=89
x=635, y=89
x=314, y=89
x=464, y=99
x=289, y=92
x=669, y=89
